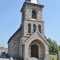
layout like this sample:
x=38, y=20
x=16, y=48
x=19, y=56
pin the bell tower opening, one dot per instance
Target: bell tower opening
x=34, y=15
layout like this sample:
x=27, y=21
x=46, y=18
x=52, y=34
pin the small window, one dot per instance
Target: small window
x=34, y=14
x=39, y=28
x=29, y=28
x=34, y=28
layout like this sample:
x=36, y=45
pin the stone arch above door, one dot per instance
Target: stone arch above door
x=39, y=40
x=39, y=51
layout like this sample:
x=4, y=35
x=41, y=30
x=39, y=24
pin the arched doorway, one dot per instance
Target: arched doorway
x=34, y=51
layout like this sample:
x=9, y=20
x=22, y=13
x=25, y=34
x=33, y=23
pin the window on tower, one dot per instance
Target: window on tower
x=39, y=28
x=34, y=28
x=34, y=15
x=29, y=28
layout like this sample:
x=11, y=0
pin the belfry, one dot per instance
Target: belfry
x=29, y=41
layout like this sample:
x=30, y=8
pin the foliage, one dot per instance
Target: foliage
x=53, y=47
x=59, y=47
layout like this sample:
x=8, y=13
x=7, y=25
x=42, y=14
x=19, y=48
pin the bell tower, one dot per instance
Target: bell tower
x=32, y=17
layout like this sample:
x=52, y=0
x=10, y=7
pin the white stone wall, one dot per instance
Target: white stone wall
x=34, y=1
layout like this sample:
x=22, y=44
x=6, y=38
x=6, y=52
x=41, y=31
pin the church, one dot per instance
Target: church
x=29, y=41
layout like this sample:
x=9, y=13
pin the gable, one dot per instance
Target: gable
x=37, y=35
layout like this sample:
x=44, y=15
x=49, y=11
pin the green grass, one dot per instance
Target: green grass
x=53, y=57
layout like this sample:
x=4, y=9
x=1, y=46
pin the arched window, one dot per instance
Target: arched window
x=29, y=28
x=34, y=16
x=34, y=28
x=39, y=28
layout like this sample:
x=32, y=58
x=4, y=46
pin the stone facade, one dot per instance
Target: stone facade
x=13, y=46
x=20, y=45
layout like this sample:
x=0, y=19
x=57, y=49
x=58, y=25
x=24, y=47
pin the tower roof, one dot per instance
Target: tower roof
x=32, y=1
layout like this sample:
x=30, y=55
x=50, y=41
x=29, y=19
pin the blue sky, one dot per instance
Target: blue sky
x=10, y=19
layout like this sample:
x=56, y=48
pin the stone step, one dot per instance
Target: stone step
x=33, y=58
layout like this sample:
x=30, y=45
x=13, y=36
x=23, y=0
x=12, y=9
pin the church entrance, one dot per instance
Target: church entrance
x=34, y=51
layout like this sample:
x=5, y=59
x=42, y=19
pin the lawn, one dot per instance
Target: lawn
x=53, y=57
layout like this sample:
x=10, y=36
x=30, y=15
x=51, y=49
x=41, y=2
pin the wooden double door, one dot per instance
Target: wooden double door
x=34, y=51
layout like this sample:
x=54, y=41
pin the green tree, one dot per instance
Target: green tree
x=51, y=44
x=59, y=47
x=53, y=47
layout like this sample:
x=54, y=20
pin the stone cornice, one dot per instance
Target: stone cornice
x=35, y=21
x=28, y=3
x=44, y=39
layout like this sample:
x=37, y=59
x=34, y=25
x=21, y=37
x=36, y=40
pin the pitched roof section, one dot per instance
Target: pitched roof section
x=40, y=35
x=14, y=34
